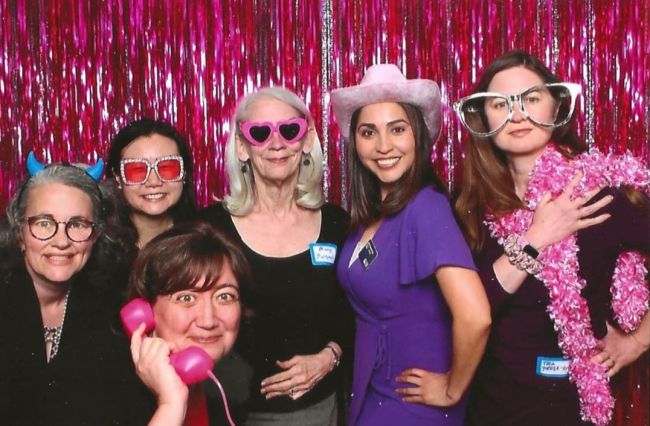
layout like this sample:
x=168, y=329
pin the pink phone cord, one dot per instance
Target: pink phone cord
x=223, y=396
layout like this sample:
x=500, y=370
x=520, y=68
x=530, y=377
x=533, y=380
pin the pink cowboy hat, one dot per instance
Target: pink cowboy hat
x=386, y=83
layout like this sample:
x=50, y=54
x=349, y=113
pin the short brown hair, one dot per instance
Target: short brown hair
x=176, y=259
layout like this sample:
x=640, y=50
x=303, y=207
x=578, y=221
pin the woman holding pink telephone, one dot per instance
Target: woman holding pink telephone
x=187, y=287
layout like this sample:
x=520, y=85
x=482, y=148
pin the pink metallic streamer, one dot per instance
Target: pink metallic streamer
x=71, y=76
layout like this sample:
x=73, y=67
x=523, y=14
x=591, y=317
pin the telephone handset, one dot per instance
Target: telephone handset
x=191, y=364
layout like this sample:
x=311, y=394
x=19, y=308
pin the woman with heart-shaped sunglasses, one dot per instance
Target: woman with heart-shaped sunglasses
x=275, y=210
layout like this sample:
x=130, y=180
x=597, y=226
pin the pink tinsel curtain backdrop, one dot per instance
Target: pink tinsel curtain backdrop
x=72, y=72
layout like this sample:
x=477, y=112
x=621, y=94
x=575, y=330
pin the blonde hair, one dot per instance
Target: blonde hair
x=309, y=192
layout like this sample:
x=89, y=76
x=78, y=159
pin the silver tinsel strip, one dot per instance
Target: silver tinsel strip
x=326, y=84
x=589, y=92
x=450, y=148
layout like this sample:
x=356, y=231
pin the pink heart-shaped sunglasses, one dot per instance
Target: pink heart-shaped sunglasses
x=259, y=133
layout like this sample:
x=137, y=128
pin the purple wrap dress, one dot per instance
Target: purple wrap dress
x=402, y=319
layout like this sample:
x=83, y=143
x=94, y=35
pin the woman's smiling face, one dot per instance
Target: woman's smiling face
x=207, y=319
x=385, y=142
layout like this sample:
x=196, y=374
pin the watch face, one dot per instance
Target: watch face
x=337, y=359
x=531, y=251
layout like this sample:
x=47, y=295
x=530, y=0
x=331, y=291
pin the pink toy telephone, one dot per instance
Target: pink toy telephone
x=192, y=364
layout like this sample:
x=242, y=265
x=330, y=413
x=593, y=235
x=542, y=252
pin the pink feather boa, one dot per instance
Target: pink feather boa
x=567, y=308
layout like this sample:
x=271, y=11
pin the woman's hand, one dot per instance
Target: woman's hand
x=429, y=388
x=617, y=350
x=151, y=359
x=554, y=220
x=300, y=375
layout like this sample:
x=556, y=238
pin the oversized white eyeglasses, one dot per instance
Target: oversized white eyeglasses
x=547, y=105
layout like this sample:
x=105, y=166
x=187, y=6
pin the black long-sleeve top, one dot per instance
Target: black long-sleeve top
x=297, y=309
x=91, y=380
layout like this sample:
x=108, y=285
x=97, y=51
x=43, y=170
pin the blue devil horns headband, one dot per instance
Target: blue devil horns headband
x=34, y=167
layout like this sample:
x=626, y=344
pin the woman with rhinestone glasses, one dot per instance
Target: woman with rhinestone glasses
x=276, y=211
x=152, y=167
x=549, y=224
x=60, y=274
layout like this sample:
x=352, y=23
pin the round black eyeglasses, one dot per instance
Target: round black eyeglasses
x=45, y=227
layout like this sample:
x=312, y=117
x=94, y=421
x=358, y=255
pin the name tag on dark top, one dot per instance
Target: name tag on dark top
x=322, y=254
x=368, y=254
x=552, y=367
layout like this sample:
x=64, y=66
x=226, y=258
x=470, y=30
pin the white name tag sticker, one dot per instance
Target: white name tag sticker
x=552, y=367
x=322, y=254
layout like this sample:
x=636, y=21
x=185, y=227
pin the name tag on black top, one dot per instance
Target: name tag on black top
x=322, y=254
x=552, y=367
x=368, y=254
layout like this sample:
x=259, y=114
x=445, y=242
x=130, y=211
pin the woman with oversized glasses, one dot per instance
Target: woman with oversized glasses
x=549, y=225
x=152, y=166
x=275, y=210
x=61, y=269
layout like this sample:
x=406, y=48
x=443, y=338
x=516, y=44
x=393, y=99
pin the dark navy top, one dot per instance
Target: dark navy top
x=507, y=390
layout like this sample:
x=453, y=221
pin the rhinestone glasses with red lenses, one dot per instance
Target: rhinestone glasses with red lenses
x=136, y=171
x=259, y=133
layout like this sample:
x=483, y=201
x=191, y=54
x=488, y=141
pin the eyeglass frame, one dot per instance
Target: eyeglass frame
x=574, y=89
x=153, y=166
x=31, y=219
x=245, y=126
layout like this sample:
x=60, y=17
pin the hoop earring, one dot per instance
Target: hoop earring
x=306, y=159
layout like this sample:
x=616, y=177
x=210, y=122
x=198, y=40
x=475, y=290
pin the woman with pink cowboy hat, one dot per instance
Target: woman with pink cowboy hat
x=422, y=317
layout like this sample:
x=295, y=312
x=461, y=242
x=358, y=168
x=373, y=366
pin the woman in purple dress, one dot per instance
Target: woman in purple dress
x=422, y=316
x=547, y=223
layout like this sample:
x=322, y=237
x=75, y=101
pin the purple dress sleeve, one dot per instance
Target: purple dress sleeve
x=431, y=239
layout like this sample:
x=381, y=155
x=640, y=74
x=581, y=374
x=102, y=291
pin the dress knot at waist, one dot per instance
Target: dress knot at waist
x=382, y=355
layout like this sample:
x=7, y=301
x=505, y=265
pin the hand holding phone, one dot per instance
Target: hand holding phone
x=191, y=364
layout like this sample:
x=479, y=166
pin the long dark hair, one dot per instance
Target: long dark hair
x=185, y=208
x=365, y=195
x=487, y=185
